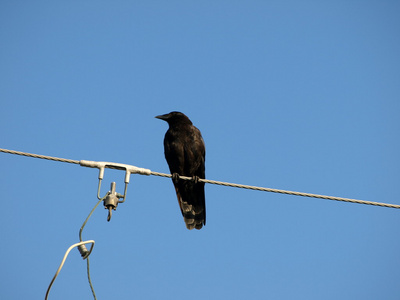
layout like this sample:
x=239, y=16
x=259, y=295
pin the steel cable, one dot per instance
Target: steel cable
x=218, y=182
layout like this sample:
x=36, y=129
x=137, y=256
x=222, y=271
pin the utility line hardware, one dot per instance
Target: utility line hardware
x=111, y=199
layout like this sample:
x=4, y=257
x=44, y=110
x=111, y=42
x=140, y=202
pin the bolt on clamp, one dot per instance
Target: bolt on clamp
x=112, y=198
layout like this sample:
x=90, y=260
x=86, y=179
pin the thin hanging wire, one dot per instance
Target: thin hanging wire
x=87, y=259
x=81, y=243
x=63, y=261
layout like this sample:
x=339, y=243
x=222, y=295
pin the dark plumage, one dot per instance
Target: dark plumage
x=185, y=154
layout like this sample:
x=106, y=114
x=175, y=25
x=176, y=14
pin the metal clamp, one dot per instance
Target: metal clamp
x=112, y=198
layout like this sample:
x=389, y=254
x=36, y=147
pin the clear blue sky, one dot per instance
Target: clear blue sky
x=297, y=95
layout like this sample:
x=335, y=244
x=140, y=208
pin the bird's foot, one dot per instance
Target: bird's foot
x=195, y=179
x=175, y=177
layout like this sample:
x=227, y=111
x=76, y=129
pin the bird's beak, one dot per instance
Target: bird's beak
x=163, y=117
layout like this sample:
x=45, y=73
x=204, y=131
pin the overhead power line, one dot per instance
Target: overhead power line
x=142, y=171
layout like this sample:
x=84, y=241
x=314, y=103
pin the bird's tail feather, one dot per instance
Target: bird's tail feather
x=193, y=215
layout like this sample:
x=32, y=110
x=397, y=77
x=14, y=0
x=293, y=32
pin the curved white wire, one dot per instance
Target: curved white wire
x=63, y=261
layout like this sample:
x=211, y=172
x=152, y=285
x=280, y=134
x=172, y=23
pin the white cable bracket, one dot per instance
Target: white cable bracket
x=111, y=165
x=111, y=199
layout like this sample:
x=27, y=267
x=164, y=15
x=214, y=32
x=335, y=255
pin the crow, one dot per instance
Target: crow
x=185, y=154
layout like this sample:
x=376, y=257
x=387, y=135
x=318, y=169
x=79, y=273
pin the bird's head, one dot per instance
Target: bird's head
x=175, y=117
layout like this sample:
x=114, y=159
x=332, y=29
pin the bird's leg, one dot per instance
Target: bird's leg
x=175, y=177
x=195, y=179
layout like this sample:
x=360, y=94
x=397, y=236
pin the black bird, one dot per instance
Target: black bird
x=185, y=154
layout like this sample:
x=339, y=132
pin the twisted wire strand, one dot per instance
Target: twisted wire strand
x=71, y=161
x=263, y=189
